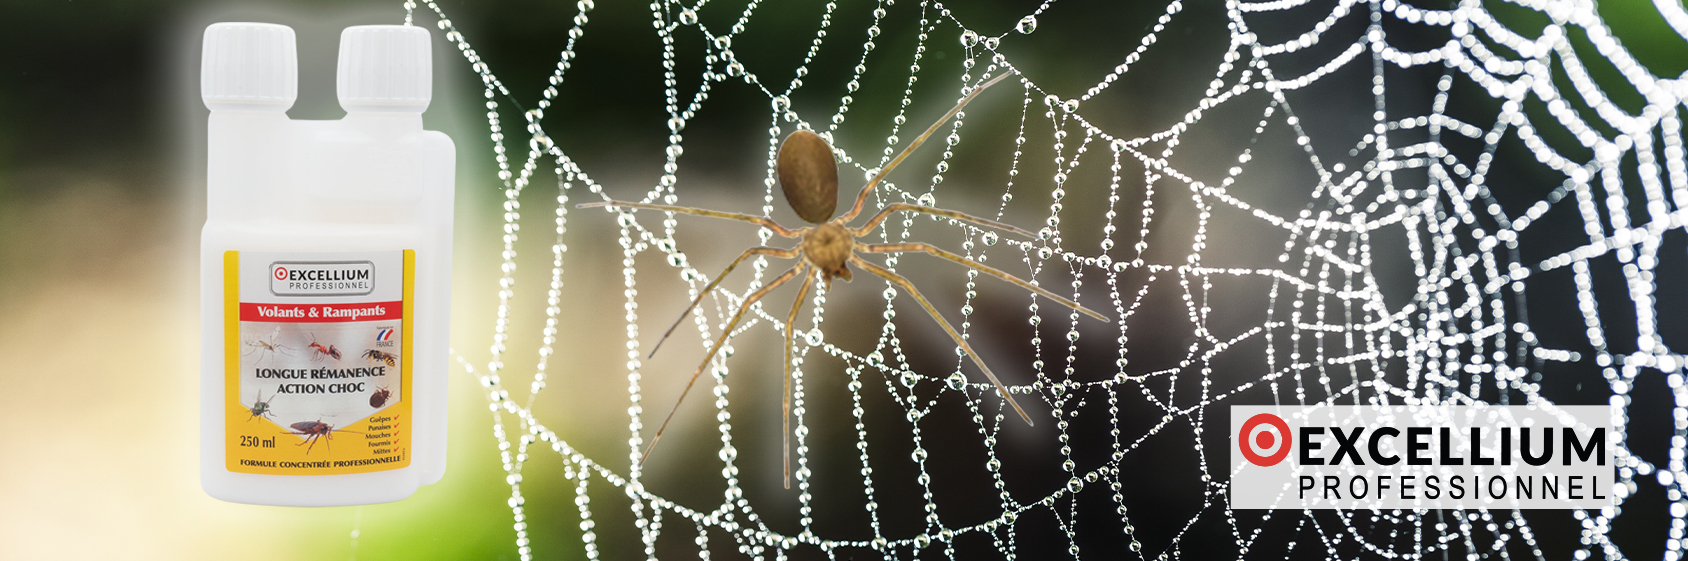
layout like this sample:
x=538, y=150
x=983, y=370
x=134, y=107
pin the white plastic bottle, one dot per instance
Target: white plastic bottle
x=325, y=274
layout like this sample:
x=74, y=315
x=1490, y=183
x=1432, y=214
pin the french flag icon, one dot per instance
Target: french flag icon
x=384, y=335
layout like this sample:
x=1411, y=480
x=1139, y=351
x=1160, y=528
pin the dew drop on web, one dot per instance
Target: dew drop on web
x=1027, y=25
x=969, y=38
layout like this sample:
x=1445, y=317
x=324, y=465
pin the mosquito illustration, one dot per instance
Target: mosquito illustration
x=267, y=348
x=261, y=407
x=808, y=174
x=313, y=431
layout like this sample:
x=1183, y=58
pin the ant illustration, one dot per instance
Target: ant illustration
x=320, y=352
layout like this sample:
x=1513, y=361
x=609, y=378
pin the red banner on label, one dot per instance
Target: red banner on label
x=322, y=313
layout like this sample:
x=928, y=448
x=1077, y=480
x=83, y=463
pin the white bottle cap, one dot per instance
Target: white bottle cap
x=385, y=68
x=251, y=65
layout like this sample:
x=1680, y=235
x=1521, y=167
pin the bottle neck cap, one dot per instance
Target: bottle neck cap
x=385, y=68
x=249, y=66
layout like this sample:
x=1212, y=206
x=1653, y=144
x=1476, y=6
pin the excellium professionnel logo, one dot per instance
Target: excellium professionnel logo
x=322, y=278
x=1417, y=457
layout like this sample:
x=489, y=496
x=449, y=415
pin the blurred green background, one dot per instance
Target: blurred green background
x=102, y=194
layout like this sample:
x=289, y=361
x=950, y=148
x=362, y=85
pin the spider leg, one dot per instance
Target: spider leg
x=744, y=307
x=791, y=333
x=908, y=286
x=774, y=251
x=764, y=222
x=862, y=198
x=964, y=217
x=929, y=248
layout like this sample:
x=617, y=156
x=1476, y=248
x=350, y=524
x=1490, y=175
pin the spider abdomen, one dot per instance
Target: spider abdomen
x=808, y=175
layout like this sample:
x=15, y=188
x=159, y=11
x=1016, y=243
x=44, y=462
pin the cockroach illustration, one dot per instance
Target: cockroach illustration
x=808, y=174
x=267, y=348
x=261, y=407
x=320, y=352
x=313, y=431
x=390, y=359
x=379, y=398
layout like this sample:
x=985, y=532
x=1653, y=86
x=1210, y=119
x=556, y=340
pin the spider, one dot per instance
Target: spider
x=808, y=175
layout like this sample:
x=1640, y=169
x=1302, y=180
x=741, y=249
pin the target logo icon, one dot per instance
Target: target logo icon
x=281, y=273
x=1264, y=440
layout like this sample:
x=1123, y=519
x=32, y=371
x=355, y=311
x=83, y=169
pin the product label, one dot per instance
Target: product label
x=317, y=361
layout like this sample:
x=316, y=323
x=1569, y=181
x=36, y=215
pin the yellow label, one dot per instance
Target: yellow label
x=317, y=353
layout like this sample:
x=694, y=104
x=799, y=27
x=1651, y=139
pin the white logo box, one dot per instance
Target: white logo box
x=1422, y=457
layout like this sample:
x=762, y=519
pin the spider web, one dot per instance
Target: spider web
x=1493, y=165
